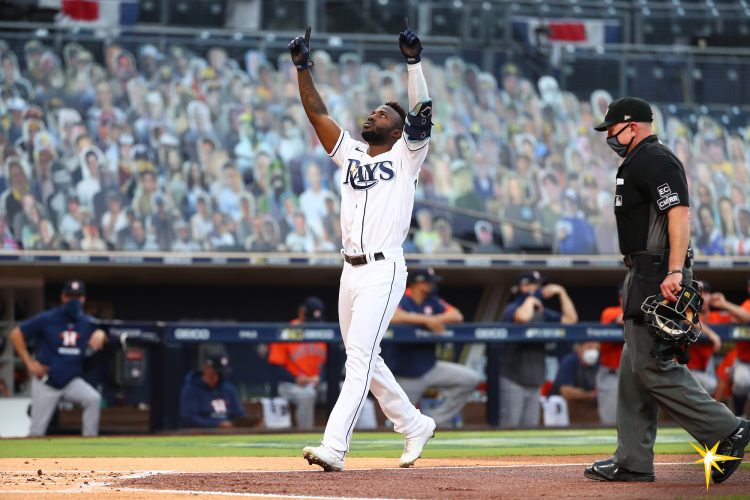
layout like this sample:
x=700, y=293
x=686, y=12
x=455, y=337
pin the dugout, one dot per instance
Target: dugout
x=148, y=288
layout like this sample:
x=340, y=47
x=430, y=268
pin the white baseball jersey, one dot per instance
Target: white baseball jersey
x=377, y=193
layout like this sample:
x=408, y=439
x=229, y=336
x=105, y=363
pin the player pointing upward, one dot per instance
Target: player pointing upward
x=378, y=179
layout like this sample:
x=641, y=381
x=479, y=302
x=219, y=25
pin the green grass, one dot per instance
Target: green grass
x=448, y=444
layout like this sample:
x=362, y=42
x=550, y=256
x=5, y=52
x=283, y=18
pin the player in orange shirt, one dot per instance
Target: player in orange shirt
x=702, y=352
x=740, y=368
x=609, y=366
x=298, y=366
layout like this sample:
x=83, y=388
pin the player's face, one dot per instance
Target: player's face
x=379, y=125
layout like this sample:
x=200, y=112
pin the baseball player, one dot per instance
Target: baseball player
x=415, y=365
x=378, y=180
x=207, y=398
x=298, y=365
x=62, y=337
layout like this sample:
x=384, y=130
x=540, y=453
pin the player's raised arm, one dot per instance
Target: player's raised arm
x=325, y=127
x=418, y=120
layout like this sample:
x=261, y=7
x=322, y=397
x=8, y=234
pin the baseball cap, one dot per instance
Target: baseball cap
x=219, y=362
x=529, y=278
x=314, y=309
x=424, y=276
x=626, y=109
x=74, y=287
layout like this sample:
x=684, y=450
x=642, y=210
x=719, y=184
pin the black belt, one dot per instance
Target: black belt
x=361, y=260
x=644, y=257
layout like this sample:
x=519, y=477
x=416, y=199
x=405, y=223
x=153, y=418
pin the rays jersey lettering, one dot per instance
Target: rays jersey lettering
x=377, y=192
x=365, y=176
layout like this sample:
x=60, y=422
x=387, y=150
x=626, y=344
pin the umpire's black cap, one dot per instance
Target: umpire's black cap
x=74, y=287
x=626, y=109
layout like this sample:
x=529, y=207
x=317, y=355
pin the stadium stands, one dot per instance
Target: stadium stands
x=187, y=149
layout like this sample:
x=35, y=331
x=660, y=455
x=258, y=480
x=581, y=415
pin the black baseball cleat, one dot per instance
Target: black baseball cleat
x=608, y=470
x=732, y=446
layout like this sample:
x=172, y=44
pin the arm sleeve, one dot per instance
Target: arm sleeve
x=666, y=183
x=509, y=312
x=444, y=307
x=416, y=87
x=33, y=327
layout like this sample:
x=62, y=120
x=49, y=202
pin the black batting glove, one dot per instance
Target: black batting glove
x=409, y=43
x=300, y=49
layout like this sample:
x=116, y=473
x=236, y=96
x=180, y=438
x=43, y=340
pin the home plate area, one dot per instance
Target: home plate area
x=557, y=479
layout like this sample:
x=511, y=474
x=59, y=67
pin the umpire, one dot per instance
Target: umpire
x=653, y=225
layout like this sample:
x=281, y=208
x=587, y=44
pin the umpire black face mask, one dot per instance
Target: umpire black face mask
x=620, y=149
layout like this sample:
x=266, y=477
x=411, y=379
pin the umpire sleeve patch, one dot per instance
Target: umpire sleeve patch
x=666, y=197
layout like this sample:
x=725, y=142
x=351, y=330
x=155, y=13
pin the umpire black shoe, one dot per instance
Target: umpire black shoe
x=608, y=470
x=732, y=446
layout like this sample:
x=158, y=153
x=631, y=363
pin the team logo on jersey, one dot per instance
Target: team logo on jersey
x=219, y=406
x=363, y=177
x=69, y=338
x=668, y=198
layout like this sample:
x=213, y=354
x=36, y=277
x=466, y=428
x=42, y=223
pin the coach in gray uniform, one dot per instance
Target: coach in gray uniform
x=653, y=223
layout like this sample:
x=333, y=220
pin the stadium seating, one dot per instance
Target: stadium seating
x=190, y=150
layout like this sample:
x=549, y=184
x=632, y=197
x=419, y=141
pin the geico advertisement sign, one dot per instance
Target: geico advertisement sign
x=308, y=334
x=192, y=333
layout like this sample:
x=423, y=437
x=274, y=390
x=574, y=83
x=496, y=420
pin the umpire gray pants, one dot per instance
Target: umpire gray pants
x=44, y=400
x=648, y=381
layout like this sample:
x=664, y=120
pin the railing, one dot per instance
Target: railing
x=245, y=259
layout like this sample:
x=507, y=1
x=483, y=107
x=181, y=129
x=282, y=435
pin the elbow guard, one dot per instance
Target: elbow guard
x=419, y=123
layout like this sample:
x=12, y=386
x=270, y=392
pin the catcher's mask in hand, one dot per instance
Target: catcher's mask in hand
x=675, y=323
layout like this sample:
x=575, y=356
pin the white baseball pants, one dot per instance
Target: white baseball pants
x=368, y=297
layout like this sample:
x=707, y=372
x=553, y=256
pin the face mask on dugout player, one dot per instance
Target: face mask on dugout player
x=675, y=322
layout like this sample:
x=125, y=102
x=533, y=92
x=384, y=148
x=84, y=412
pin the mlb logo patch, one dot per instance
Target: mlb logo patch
x=618, y=200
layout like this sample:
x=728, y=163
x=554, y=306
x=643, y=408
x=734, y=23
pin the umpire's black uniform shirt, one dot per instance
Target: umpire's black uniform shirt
x=650, y=181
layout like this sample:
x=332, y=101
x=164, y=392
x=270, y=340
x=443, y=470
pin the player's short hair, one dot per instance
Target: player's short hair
x=398, y=109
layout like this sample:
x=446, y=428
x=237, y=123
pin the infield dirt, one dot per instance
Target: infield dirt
x=516, y=477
